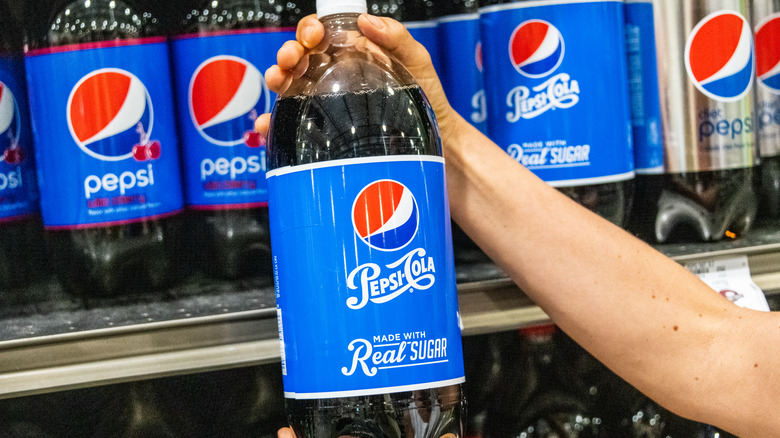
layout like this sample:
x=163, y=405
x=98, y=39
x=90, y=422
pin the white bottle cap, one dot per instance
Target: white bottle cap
x=330, y=7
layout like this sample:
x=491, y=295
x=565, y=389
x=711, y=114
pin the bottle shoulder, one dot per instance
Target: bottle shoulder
x=210, y=16
x=76, y=22
x=354, y=67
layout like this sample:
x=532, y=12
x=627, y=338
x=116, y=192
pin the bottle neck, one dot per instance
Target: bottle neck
x=341, y=29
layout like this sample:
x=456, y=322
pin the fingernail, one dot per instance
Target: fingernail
x=375, y=21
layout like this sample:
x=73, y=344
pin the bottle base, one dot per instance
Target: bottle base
x=431, y=413
x=137, y=258
x=694, y=207
x=232, y=244
x=612, y=201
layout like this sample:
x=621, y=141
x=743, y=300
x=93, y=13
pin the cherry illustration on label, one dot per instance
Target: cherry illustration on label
x=252, y=138
x=14, y=155
x=146, y=150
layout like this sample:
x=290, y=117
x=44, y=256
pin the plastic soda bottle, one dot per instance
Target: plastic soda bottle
x=107, y=148
x=362, y=253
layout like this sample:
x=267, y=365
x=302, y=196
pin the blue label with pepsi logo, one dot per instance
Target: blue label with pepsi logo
x=365, y=279
x=461, y=72
x=643, y=87
x=558, y=94
x=221, y=91
x=105, y=133
x=18, y=185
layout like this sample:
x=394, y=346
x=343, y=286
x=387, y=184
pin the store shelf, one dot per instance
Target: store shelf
x=56, y=342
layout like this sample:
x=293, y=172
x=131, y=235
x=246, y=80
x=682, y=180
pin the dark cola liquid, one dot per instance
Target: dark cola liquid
x=695, y=206
x=309, y=129
x=368, y=123
x=769, y=187
x=135, y=257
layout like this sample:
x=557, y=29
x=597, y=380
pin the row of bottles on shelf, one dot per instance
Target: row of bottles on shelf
x=175, y=131
x=537, y=383
x=528, y=383
x=111, y=214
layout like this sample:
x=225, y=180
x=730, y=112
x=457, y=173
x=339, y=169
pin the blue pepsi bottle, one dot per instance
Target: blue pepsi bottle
x=103, y=117
x=558, y=96
x=22, y=258
x=419, y=17
x=220, y=55
x=460, y=72
x=362, y=254
x=460, y=45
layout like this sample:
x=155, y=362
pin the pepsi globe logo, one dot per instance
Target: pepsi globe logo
x=768, y=53
x=385, y=215
x=719, y=56
x=226, y=94
x=110, y=116
x=10, y=127
x=536, y=48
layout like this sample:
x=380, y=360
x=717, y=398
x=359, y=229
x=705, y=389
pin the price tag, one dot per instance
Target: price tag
x=730, y=276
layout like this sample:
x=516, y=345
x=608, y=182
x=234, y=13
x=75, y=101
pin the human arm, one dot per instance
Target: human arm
x=640, y=313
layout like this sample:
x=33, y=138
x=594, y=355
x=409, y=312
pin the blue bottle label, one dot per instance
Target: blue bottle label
x=461, y=73
x=221, y=91
x=18, y=183
x=364, y=275
x=643, y=87
x=105, y=133
x=558, y=95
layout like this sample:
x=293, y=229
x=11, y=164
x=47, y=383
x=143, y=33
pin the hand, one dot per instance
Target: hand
x=388, y=34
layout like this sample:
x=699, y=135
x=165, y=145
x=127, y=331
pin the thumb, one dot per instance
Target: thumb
x=393, y=37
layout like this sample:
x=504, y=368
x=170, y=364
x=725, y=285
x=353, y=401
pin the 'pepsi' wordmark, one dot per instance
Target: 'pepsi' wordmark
x=18, y=187
x=559, y=95
x=719, y=56
x=219, y=80
x=461, y=73
x=115, y=106
x=364, y=276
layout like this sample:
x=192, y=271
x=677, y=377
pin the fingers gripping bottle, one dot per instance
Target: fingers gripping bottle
x=100, y=92
x=706, y=68
x=766, y=26
x=362, y=253
x=558, y=96
x=219, y=60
